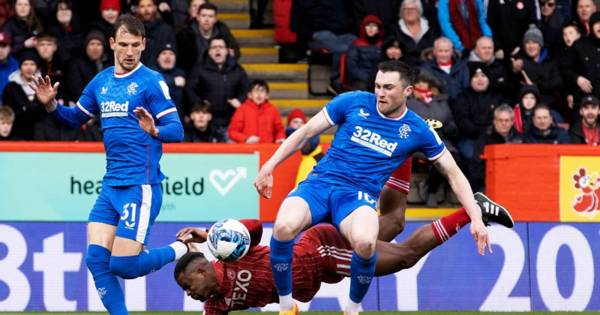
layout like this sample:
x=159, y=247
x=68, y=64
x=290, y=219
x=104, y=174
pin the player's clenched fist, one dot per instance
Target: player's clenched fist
x=264, y=182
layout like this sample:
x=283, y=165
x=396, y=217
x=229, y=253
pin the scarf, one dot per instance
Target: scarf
x=468, y=33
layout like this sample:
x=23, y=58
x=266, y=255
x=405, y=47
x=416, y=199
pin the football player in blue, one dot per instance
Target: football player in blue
x=376, y=133
x=137, y=116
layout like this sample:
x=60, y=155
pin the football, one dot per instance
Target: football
x=228, y=240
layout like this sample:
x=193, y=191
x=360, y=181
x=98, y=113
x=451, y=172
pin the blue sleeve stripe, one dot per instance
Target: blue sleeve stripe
x=85, y=110
x=328, y=117
x=165, y=112
x=437, y=156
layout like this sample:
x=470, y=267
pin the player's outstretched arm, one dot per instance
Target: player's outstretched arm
x=264, y=181
x=169, y=128
x=460, y=185
x=46, y=94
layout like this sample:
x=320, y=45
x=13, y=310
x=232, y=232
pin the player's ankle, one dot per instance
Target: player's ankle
x=286, y=303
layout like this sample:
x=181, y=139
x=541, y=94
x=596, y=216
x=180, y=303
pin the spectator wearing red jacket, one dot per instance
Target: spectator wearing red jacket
x=257, y=120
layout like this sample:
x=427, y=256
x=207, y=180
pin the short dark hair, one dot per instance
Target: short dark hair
x=208, y=6
x=541, y=106
x=259, y=83
x=202, y=106
x=46, y=37
x=407, y=73
x=131, y=24
x=426, y=77
x=185, y=261
x=218, y=38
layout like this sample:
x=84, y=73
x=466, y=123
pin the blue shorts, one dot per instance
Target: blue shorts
x=132, y=209
x=331, y=203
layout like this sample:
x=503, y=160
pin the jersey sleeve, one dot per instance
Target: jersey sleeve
x=433, y=146
x=87, y=101
x=158, y=98
x=400, y=179
x=335, y=111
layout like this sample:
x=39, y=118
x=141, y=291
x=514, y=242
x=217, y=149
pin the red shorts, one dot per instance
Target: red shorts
x=400, y=179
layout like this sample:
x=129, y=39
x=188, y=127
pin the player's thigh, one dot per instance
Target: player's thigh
x=306, y=205
x=138, y=206
x=103, y=220
x=355, y=216
x=293, y=216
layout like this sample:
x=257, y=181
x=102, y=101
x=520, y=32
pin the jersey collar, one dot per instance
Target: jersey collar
x=392, y=118
x=119, y=76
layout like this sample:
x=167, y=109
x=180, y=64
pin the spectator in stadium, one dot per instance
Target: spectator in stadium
x=65, y=27
x=474, y=110
x=585, y=9
x=533, y=65
x=109, y=12
x=448, y=68
x=544, y=129
x=200, y=129
x=463, y=22
x=325, y=25
x=23, y=27
x=81, y=71
x=586, y=130
x=502, y=131
x=428, y=103
x=570, y=34
x=414, y=32
x=158, y=33
x=551, y=26
x=21, y=98
x=312, y=152
x=529, y=98
x=256, y=120
x=364, y=53
x=7, y=119
x=509, y=20
x=386, y=10
x=5, y=11
x=500, y=79
x=174, y=77
x=583, y=61
x=51, y=64
x=194, y=40
x=219, y=79
x=8, y=64
x=392, y=49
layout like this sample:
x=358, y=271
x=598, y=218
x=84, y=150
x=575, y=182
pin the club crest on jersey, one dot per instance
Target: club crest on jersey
x=404, y=131
x=373, y=141
x=132, y=88
x=363, y=114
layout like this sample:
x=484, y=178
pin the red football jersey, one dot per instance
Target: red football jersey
x=400, y=179
x=321, y=255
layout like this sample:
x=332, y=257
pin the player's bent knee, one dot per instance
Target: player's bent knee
x=285, y=231
x=364, y=249
x=125, y=267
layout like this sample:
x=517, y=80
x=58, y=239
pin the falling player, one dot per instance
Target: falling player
x=137, y=116
x=376, y=134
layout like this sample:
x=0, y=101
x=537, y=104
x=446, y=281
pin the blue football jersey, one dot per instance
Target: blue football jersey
x=368, y=146
x=132, y=155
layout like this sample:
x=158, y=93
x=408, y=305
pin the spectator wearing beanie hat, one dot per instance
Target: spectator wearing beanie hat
x=312, y=152
x=21, y=97
x=174, y=77
x=583, y=61
x=533, y=65
x=109, y=12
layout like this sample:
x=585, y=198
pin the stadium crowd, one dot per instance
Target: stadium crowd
x=491, y=71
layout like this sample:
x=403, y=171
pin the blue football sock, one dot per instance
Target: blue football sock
x=107, y=284
x=281, y=265
x=361, y=273
x=130, y=267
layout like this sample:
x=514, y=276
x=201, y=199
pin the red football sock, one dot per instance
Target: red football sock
x=447, y=226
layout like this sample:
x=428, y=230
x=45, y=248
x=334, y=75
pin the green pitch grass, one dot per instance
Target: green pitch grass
x=330, y=313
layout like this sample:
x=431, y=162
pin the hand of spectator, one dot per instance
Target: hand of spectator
x=180, y=81
x=526, y=78
x=192, y=235
x=252, y=139
x=481, y=236
x=45, y=91
x=584, y=84
x=517, y=64
x=499, y=54
x=146, y=121
x=264, y=181
x=570, y=101
x=234, y=102
x=30, y=42
x=164, y=7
